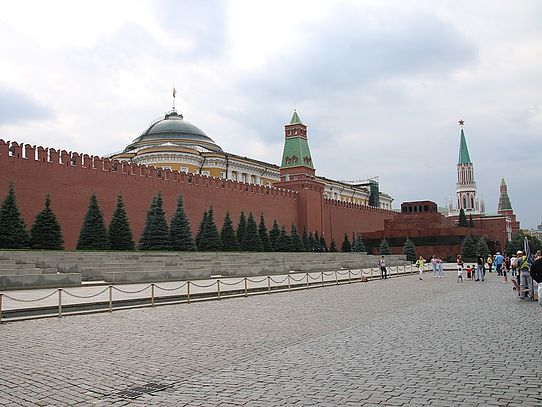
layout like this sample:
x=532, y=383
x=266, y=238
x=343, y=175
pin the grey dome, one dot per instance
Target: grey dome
x=173, y=126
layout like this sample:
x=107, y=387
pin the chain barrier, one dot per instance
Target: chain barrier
x=86, y=296
x=9, y=297
x=170, y=289
x=305, y=277
x=279, y=282
x=257, y=281
x=204, y=285
x=132, y=292
x=234, y=283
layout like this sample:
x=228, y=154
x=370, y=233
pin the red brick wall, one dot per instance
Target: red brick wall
x=70, y=187
x=343, y=217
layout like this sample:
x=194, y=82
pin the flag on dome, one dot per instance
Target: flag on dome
x=174, y=92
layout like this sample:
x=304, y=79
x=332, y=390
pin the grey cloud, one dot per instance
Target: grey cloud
x=17, y=107
x=350, y=50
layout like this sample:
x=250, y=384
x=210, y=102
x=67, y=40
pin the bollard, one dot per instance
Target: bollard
x=268, y=285
x=60, y=302
x=336, y=278
x=1, y=297
x=349, y=277
x=371, y=273
x=288, y=282
x=188, y=292
x=322, y=273
x=152, y=295
x=218, y=288
x=110, y=298
x=246, y=287
x=307, y=280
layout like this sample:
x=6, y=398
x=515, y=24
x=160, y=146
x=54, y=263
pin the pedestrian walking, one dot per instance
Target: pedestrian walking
x=440, y=267
x=420, y=263
x=536, y=273
x=489, y=262
x=514, y=265
x=383, y=271
x=498, y=262
x=434, y=265
x=480, y=268
x=459, y=262
x=524, y=275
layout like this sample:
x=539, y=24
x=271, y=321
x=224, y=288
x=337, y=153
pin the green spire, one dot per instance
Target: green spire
x=295, y=118
x=464, y=157
x=296, y=153
x=504, y=200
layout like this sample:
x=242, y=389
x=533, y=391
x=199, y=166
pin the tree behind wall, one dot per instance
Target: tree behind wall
x=462, y=219
x=156, y=232
x=13, y=233
x=93, y=235
x=180, y=231
x=312, y=243
x=323, y=244
x=409, y=250
x=346, y=246
x=201, y=228
x=210, y=238
x=471, y=222
x=274, y=234
x=264, y=236
x=333, y=246
x=45, y=232
x=120, y=233
x=241, y=227
x=468, y=249
x=384, y=247
x=305, y=239
x=359, y=245
x=481, y=247
x=251, y=241
x=296, y=240
x=284, y=242
x=228, y=236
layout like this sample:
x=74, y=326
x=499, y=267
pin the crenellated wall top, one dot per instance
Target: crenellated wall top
x=12, y=150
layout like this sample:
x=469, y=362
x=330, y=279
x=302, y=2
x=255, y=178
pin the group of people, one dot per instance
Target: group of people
x=437, y=265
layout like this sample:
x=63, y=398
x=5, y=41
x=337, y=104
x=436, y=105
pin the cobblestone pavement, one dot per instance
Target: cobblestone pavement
x=389, y=342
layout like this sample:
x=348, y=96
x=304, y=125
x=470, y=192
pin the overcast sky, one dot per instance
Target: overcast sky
x=381, y=84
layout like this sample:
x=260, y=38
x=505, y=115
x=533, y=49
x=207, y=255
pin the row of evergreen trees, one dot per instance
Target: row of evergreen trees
x=46, y=233
x=462, y=221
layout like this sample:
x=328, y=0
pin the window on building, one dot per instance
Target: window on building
x=184, y=169
x=222, y=174
x=244, y=177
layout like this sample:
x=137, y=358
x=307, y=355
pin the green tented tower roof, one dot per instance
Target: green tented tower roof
x=504, y=200
x=295, y=118
x=296, y=153
x=464, y=157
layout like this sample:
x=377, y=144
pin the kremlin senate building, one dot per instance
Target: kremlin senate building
x=175, y=157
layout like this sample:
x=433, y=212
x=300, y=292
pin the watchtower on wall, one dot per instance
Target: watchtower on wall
x=297, y=173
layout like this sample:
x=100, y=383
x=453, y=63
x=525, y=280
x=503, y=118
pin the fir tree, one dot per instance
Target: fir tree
x=297, y=242
x=384, y=247
x=228, y=236
x=210, y=238
x=284, y=242
x=471, y=222
x=462, y=218
x=251, y=241
x=312, y=243
x=120, y=234
x=274, y=235
x=481, y=247
x=93, y=235
x=305, y=239
x=13, y=233
x=201, y=228
x=156, y=235
x=264, y=236
x=318, y=247
x=346, y=246
x=409, y=250
x=45, y=232
x=359, y=246
x=323, y=244
x=468, y=249
x=241, y=227
x=353, y=240
x=180, y=231
x=333, y=246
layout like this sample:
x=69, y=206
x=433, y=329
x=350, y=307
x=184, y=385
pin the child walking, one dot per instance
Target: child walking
x=459, y=268
x=420, y=263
